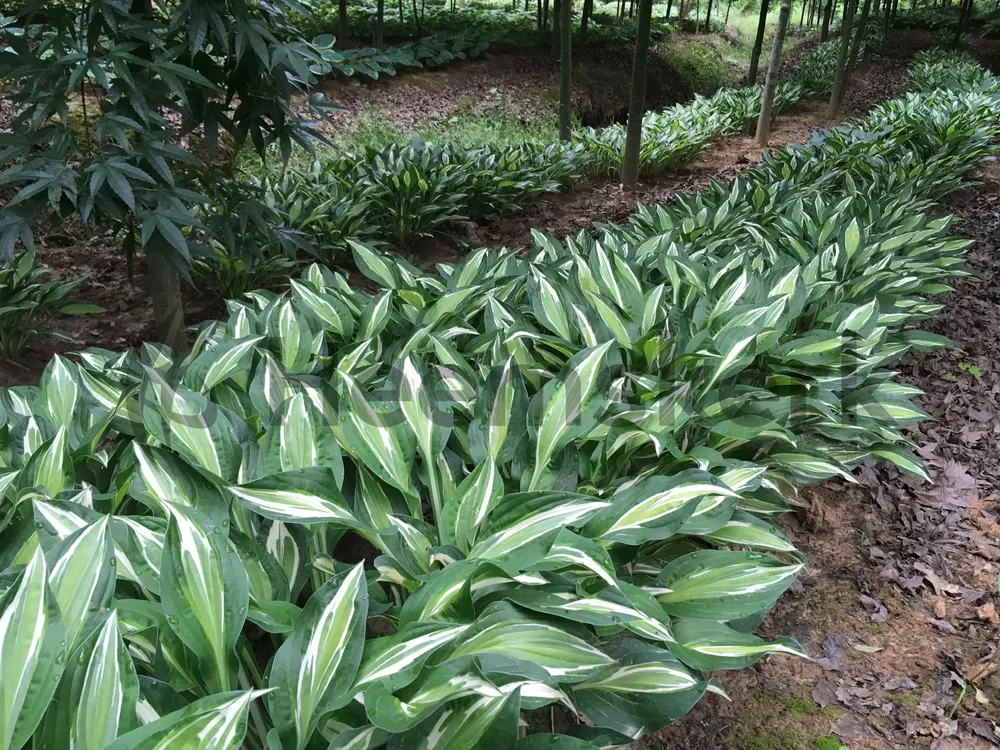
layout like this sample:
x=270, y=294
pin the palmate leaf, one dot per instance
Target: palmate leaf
x=97, y=697
x=204, y=592
x=216, y=722
x=314, y=669
x=32, y=652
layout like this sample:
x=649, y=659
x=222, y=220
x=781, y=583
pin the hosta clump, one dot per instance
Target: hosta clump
x=568, y=463
x=30, y=300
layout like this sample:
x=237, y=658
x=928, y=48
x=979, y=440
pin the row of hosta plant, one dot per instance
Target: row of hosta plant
x=567, y=464
x=399, y=194
x=677, y=135
x=444, y=35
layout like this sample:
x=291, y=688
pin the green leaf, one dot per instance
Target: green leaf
x=299, y=496
x=723, y=585
x=216, y=722
x=314, y=669
x=204, y=592
x=32, y=652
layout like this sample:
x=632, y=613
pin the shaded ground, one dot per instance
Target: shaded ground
x=524, y=82
x=899, y=603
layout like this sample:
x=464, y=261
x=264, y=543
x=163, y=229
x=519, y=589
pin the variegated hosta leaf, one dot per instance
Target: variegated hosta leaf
x=162, y=476
x=501, y=410
x=469, y=504
x=82, y=577
x=220, y=362
x=204, y=592
x=216, y=722
x=429, y=422
x=711, y=645
x=314, y=669
x=564, y=405
x=722, y=585
x=384, y=447
x=298, y=438
x=645, y=688
x=396, y=660
x=97, y=697
x=190, y=424
x=525, y=523
x=465, y=723
x=58, y=393
x=308, y=495
x=32, y=652
x=503, y=631
x=654, y=508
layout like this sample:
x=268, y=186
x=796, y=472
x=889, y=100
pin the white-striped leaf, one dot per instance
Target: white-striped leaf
x=204, y=592
x=314, y=669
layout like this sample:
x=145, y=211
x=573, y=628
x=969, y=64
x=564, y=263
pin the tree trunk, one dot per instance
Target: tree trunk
x=802, y=15
x=886, y=15
x=767, y=101
x=565, y=67
x=758, y=44
x=824, y=32
x=670, y=6
x=845, y=47
x=168, y=308
x=729, y=7
x=964, y=10
x=708, y=18
x=637, y=102
x=545, y=14
x=380, y=25
x=588, y=8
x=859, y=41
x=556, y=23
x=342, y=26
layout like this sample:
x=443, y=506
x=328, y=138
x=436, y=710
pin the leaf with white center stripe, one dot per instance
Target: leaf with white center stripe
x=723, y=585
x=458, y=678
x=299, y=496
x=298, y=438
x=564, y=652
x=32, y=652
x=162, y=476
x=385, y=448
x=58, y=393
x=563, y=404
x=809, y=468
x=580, y=555
x=190, y=424
x=654, y=508
x=216, y=722
x=204, y=591
x=466, y=723
x=215, y=365
x=314, y=669
x=50, y=467
x=709, y=645
x=646, y=689
x=360, y=738
x=444, y=595
x=428, y=418
x=526, y=522
x=609, y=609
x=746, y=530
x=82, y=577
x=501, y=409
x=397, y=659
x=467, y=507
x=904, y=460
x=333, y=314
x=97, y=696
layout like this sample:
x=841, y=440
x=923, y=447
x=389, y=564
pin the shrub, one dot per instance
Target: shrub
x=701, y=66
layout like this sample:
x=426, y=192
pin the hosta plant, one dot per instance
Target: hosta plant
x=30, y=300
x=559, y=472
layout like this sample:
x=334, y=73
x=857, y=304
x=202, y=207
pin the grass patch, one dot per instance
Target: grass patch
x=700, y=64
x=829, y=742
